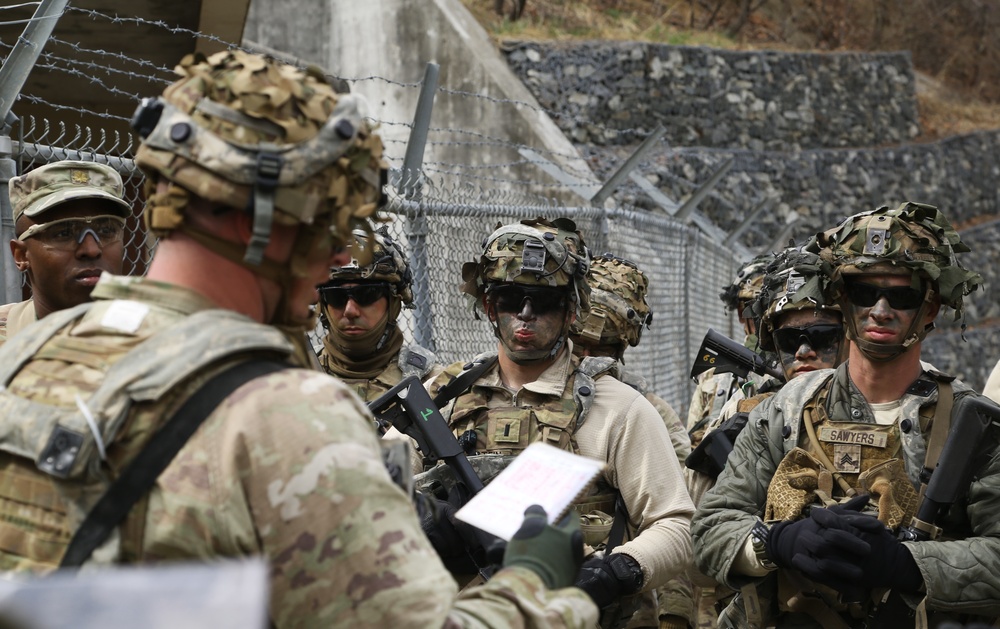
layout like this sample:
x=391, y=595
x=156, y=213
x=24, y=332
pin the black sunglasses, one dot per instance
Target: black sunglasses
x=362, y=294
x=819, y=337
x=509, y=298
x=899, y=297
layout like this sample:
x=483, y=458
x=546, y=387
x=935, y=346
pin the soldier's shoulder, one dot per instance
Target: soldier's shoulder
x=298, y=395
x=796, y=393
x=609, y=386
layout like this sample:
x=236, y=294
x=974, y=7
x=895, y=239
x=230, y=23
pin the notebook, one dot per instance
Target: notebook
x=542, y=475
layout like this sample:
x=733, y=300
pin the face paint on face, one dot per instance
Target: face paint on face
x=526, y=329
x=805, y=357
x=881, y=323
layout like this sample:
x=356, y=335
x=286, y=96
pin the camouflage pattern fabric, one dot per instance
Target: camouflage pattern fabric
x=556, y=248
x=913, y=237
x=377, y=257
x=959, y=574
x=14, y=317
x=794, y=280
x=286, y=467
x=233, y=100
x=618, y=308
x=413, y=358
x=47, y=186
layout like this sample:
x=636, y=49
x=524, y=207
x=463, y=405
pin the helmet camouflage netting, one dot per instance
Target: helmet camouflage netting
x=913, y=239
x=236, y=123
x=536, y=252
x=387, y=263
x=746, y=285
x=618, y=308
x=794, y=280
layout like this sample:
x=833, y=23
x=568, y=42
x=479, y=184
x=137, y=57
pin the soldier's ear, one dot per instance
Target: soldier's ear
x=19, y=251
x=488, y=309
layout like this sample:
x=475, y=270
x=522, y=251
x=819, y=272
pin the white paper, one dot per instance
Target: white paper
x=542, y=475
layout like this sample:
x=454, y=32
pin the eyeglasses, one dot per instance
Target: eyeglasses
x=820, y=336
x=68, y=233
x=362, y=294
x=899, y=297
x=509, y=298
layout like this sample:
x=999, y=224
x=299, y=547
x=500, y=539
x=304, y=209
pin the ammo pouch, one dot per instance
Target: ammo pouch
x=710, y=456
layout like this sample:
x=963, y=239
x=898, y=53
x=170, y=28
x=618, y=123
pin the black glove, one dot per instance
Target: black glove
x=553, y=552
x=450, y=538
x=888, y=562
x=609, y=578
x=815, y=550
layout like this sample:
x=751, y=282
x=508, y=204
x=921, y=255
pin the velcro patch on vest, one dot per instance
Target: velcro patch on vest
x=507, y=431
x=853, y=437
x=847, y=458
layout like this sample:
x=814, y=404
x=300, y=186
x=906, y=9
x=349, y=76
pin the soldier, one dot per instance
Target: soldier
x=70, y=221
x=800, y=321
x=363, y=345
x=618, y=313
x=530, y=283
x=255, y=169
x=714, y=390
x=866, y=429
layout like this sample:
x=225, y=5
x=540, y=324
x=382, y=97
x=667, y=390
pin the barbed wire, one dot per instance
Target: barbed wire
x=80, y=110
x=115, y=55
x=19, y=6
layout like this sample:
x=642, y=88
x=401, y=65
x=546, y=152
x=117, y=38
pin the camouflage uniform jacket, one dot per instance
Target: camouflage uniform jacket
x=959, y=575
x=287, y=467
x=623, y=430
x=411, y=360
x=14, y=317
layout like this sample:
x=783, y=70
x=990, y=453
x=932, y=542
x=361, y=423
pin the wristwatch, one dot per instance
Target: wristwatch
x=627, y=571
x=758, y=540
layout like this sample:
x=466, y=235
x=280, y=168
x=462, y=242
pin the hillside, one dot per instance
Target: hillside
x=953, y=48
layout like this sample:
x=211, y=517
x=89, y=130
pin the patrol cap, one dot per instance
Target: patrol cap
x=45, y=187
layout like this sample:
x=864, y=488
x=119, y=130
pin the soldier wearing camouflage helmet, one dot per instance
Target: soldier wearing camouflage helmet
x=712, y=390
x=256, y=172
x=360, y=305
x=69, y=217
x=530, y=283
x=618, y=314
x=856, y=439
x=798, y=320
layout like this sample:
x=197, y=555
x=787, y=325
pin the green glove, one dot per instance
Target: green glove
x=554, y=553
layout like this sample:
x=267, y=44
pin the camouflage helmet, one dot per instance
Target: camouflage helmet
x=252, y=133
x=387, y=263
x=746, y=285
x=795, y=279
x=537, y=252
x=913, y=239
x=618, y=308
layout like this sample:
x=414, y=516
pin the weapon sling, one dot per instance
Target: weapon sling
x=140, y=474
x=462, y=382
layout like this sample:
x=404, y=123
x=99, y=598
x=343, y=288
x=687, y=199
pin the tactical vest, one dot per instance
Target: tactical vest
x=519, y=427
x=508, y=430
x=57, y=458
x=412, y=360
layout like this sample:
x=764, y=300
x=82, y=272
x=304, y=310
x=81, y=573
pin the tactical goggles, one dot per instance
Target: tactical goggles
x=819, y=337
x=68, y=233
x=510, y=298
x=361, y=294
x=899, y=297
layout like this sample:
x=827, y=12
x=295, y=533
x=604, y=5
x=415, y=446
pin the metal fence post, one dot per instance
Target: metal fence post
x=22, y=58
x=410, y=186
x=11, y=276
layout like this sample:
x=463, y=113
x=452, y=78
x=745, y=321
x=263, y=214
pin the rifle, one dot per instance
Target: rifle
x=409, y=408
x=728, y=356
x=968, y=436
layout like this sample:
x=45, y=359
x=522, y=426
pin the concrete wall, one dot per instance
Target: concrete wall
x=615, y=93
x=475, y=121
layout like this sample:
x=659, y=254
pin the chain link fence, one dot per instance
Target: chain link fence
x=446, y=228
